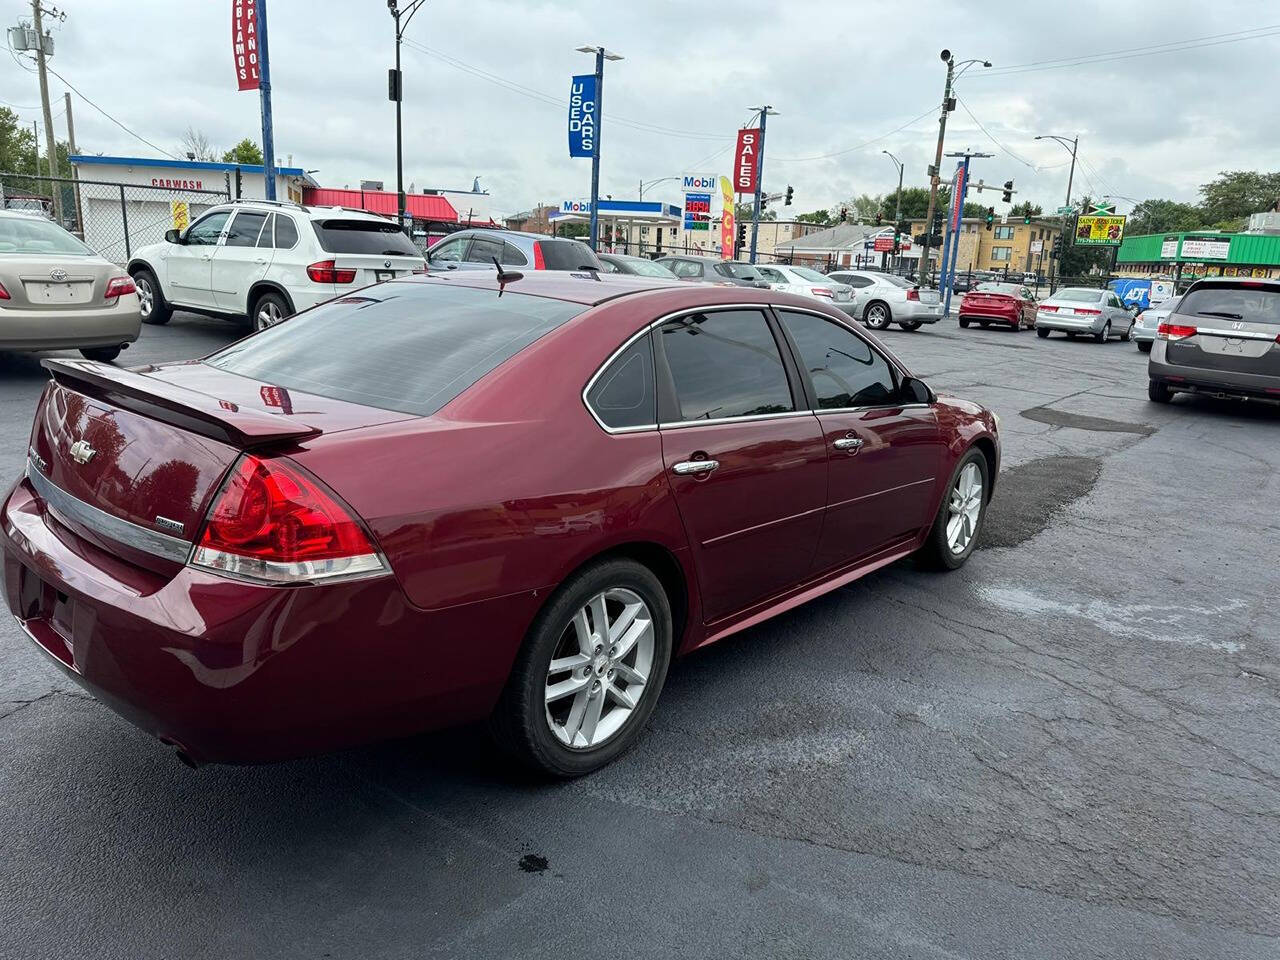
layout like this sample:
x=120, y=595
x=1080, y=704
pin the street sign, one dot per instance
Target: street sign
x=884, y=244
x=1062, y=210
x=1037, y=246
x=1004, y=218
x=1093, y=231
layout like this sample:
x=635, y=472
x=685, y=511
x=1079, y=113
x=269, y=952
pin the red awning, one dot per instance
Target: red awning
x=421, y=206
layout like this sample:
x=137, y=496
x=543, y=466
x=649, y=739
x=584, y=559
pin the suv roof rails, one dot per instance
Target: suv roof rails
x=270, y=203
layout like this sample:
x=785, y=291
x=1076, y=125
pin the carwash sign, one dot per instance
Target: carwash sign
x=244, y=42
x=582, y=115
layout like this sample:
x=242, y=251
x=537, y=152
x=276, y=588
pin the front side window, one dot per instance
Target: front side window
x=725, y=364
x=245, y=228
x=449, y=251
x=845, y=370
x=623, y=395
x=205, y=233
x=484, y=250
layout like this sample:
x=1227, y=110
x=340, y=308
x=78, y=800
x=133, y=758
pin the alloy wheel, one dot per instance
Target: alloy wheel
x=268, y=315
x=146, y=296
x=600, y=669
x=963, y=508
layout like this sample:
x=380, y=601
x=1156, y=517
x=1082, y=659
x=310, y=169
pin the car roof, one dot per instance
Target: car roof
x=1233, y=281
x=500, y=232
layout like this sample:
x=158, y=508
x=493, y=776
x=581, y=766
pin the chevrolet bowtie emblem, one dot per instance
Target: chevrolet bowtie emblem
x=81, y=452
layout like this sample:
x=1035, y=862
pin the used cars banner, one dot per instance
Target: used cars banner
x=582, y=115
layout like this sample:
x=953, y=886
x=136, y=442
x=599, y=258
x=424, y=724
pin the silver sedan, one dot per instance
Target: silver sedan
x=1084, y=310
x=1149, y=320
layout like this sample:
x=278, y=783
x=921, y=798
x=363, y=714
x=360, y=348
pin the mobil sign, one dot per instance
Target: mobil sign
x=700, y=183
x=575, y=206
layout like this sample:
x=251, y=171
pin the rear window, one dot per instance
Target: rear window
x=1078, y=295
x=29, y=235
x=567, y=255
x=1248, y=302
x=410, y=348
x=808, y=274
x=363, y=236
x=1009, y=289
x=898, y=281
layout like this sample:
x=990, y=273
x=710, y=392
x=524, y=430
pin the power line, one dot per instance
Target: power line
x=136, y=136
x=859, y=146
x=992, y=138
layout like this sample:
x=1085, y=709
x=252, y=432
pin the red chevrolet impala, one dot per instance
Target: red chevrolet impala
x=437, y=501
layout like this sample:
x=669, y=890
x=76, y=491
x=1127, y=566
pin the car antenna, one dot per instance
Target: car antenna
x=505, y=276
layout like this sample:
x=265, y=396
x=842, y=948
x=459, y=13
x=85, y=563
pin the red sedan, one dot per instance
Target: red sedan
x=436, y=500
x=994, y=302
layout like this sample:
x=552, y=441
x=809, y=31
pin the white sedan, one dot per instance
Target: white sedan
x=880, y=299
x=807, y=283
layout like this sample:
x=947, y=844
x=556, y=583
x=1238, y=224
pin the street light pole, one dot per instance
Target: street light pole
x=897, y=203
x=601, y=56
x=1071, y=175
x=396, y=92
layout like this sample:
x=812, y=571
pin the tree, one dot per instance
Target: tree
x=864, y=207
x=196, y=145
x=1228, y=200
x=246, y=151
x=1026, y=209
x=1163, y=216
x=820, y=217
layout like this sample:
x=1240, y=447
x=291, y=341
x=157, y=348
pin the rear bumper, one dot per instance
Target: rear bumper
x=56, y=330
x=995, y=316
x=1053, y=321
x=916, y=311
x=240, y=673
x=1198, y=380
x=1144, y=334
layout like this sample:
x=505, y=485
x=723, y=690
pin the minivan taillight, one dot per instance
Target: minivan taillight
x=118, y=287
x=538, y=262
x=913, y=293
x=1174, y=331
x=326, y=272
x=274, y=523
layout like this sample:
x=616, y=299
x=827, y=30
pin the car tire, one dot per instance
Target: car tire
x=1144, y=347
x=101, y=354
x=1158, y=391
x=909, y=324
x=938, y=551
x=877, y=316
x=1127, y=335
x=1042, y=333
x=964, y=324
x=1103, y=335
x=151, y=303
x=269, y=309
x=525, y=724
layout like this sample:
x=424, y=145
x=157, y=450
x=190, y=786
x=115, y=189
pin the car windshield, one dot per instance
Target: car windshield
x=1078, y=295
x=647, y=268
x=897, y=281
x=1009, y=289
x=40, y=237
x=1250, y=302
x=379, y=238
x=396, y=346
x=807, y=274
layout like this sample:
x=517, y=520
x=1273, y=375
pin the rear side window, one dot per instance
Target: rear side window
x=725, y=364
x=363, y=237
x=623, y=395
x=286, y=232
x=411, y=348
x=844, y=369
x=686, y=268
x=1247, y=302
x=512, y=256
x=245, y=228
x=567, y=255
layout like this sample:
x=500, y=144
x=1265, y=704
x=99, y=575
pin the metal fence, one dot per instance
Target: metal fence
x=116, y=218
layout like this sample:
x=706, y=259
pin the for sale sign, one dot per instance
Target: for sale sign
x=1099, y=231
x=244, y=42
x=746, y=161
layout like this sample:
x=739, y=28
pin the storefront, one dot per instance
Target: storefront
x=1183, y=257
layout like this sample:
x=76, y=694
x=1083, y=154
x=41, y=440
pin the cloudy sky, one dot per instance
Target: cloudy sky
x=486, y=82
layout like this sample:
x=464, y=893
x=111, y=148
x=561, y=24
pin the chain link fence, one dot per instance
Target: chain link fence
x=112, y=217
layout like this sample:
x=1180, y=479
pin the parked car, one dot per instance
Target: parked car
x=991, y=302
x=880, y=299
x=714, y=270
x=57, y=294
x=1222, y=339
x=1076, y=310
x=478, y=248
x=514, y=507
x=636, y=266
x=1149, y=320
x=262, y=261
x=806, y=283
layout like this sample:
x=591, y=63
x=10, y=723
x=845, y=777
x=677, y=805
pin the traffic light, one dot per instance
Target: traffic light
x=764, y=202
x=1026, y=218
x=1007, y=196
x=991, y=216
x=844, y=214
x=742, y=233
x=787, y=201
x=1057, y=246
x=879, y=219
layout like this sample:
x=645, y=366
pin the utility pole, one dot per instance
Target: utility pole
x=765, y=112
x=955, y=218
x=936, y=171
x=51, y=148
x=72, y=151
x=264, y=89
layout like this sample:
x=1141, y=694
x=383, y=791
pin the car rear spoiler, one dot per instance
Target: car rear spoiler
x=167, y=402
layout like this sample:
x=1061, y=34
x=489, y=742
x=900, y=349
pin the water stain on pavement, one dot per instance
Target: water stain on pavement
x=532, y=863
x=1030, y=495
x=1060, y=418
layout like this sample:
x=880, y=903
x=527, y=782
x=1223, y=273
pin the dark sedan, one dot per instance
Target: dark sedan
x=516, y=502
x=636, y=266
x=733, y=273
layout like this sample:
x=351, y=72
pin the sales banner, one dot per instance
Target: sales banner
x=726, y=220
x=1099, y=231
x=244, y=42
x=582, y=115
x=746, y=161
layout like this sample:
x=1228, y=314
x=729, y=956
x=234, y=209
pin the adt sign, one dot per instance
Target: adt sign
x=582, y=115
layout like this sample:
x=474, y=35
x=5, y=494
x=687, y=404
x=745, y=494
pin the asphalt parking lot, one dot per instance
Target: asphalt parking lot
x=1066, y=749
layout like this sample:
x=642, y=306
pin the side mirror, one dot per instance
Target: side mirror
x=172, y=236
x=915, y=390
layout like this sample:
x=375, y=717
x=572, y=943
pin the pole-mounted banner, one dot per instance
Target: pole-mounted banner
x=745, y=161
x=244, y=42
x=582, y=115
x=727, y=236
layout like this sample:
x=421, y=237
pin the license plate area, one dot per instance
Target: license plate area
x=381, y=275
x=48, y=614
x=39, y=292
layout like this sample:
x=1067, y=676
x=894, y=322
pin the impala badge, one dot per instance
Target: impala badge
x=173, y=526
x=81, y=452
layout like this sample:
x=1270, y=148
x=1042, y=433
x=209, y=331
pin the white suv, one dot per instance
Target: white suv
x=266, y=260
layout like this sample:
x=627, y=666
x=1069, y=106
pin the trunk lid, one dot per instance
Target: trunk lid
x=1237, y=325
x=62, y=284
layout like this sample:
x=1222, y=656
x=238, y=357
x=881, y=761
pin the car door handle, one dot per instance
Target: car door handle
x=848, y=443
x=686, y=468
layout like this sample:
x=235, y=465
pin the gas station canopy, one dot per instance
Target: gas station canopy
x=636, y=211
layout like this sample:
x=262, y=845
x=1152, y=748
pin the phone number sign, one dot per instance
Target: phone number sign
x=1099, y=231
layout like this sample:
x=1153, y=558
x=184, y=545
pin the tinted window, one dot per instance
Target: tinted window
x=205, y=233
x=245, y=229
x=286, y=232
x=484, y=250
x=725, y=364
x=512, y=256
x=566, y=255
x=623, y=395
x=375, y=237
x=449, y=250
x=743, y=271
x=404, y=347
x=857, y=282
x=897, y=281
x=647, y=268
x=773, y=276
x=1252, y=304
x=844, y=369
x=807, y=274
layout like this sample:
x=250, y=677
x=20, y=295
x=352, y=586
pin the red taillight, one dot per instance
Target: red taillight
x=4, y=294
x=538, y=262
x=1174, y=331
x=1047, y=308
x=1085, y=312
x=274, y=523
x=119, y=286
x=823, y=292
x=421, y=269
x=913, y=294
x=326, y=272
